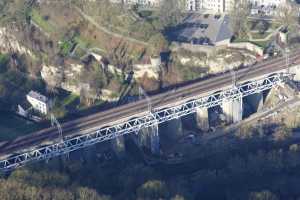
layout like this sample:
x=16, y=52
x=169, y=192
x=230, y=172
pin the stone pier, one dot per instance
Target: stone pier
x=256, y=101
x=233, y=110
x=202, y=119
x=174, y=128
x=149, y=138
x=118, y=145
x=296, y=71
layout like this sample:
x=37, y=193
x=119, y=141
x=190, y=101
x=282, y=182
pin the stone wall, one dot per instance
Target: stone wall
x=249, y=46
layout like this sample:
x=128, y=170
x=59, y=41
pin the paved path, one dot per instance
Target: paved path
x=263, y=39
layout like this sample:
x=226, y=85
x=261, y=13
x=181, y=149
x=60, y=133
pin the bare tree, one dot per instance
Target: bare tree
x=170, y=12
x=287, y=16
x=238, y=17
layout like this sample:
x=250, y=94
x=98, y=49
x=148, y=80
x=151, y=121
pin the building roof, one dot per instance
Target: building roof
x=37, y=96
x=204, y=29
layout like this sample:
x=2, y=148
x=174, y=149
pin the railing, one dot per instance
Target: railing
x=134, y=125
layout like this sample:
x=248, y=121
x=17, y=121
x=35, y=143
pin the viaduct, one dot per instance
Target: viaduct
x=167, y=107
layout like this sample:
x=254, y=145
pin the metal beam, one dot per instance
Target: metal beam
x=134, y=125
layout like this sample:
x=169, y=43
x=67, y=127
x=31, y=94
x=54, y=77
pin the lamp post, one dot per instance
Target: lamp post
x=233, y=75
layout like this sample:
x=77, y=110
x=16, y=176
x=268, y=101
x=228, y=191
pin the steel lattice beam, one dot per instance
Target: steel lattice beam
x=157, y=117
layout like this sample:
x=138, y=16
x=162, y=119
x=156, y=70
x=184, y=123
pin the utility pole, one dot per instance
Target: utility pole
x=233, y=76
x=154, y=137
x=54, y=122
x=143, y=93
x=287, y=59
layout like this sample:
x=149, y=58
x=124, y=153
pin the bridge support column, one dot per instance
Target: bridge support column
x=202, y=118
x=174, y=128
x=119, y=145
x=149, y=138
x=296, y=71
x=256, y=101
x=233, y=110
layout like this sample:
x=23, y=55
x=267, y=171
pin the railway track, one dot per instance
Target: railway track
x=100, y=119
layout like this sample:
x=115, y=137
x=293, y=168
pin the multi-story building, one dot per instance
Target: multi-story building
x=207, y=6
x=267, y=3
x=39, y=102
x=210, y=6
x=148, y=3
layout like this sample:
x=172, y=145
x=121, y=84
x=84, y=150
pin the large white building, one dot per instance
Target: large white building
x=39, y=102
x=210, y=6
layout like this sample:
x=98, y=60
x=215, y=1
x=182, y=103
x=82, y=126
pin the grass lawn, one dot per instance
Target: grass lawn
x=12, y=126
x=262, y=44
x=256, y=35
x=41, y=22
x=69, y=99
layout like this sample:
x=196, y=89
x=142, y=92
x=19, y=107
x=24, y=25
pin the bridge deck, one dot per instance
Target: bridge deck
x=135, y=109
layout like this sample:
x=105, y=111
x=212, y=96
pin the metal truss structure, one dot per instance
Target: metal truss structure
x=153, y=118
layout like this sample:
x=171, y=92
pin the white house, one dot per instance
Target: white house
x=39, y=102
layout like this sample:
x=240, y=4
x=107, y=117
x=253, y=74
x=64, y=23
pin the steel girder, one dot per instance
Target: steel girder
x=134, y=125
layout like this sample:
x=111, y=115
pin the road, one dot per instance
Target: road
x=138, y=108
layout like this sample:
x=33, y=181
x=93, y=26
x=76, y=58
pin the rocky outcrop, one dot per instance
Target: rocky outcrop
x=150, y=68
x=220, y=62
x=67, y=77
x=52, y=75
x=9, y=43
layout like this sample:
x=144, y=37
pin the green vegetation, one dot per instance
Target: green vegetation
x=262, y=44
x=269, y=166
x=69, y=42
x=139, y=25
x=257, y=32
x=191, y=73
x=69, y=99
x=4, y=59
x=66, y=46
x=29, y=185
x=65, y=103
x=82, y=42
x=260, y=35
x=16, y=83
x=41, y=21
x=12, y=126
